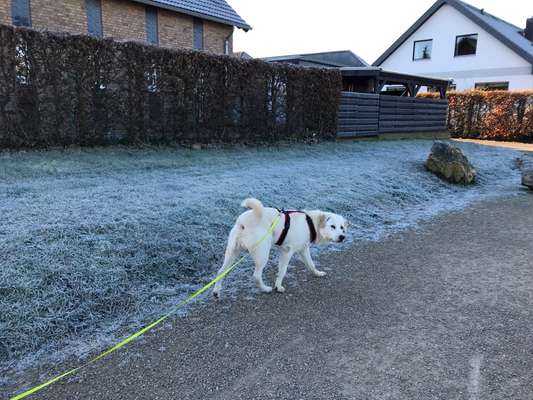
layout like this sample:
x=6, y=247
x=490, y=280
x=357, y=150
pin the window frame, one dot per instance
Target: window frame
x=457, y=37
x=15, y=18
x=226, y=46
x=100, y=33
x=151, y=15
x=198, y=28
x=414, y=49
x=489, y=86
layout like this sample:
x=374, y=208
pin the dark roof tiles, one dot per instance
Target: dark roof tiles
x=511, y=32
x=214, y=10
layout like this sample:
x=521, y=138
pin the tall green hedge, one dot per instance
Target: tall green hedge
x=61, y=90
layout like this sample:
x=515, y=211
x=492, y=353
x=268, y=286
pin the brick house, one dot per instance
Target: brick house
x=187, y=24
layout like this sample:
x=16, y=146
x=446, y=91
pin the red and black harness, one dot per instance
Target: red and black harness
x=286, y=227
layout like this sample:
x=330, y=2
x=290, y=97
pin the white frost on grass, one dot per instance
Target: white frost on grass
x=92, y=241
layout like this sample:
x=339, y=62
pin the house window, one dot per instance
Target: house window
x=465, y=45
x=226, y=46
x=492, y=85
x=94, y=17
x=422, y=49
x=198, y=39
x=20, y=12
x=152, y=35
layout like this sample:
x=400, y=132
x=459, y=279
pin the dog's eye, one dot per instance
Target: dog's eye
x=333, y=227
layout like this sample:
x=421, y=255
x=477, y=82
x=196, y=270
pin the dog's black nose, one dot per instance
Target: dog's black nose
x=341, y=238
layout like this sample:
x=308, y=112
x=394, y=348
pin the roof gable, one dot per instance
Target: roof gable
x=213, y=10
x=507, y=33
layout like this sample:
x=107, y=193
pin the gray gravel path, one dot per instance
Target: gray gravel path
x=441, y=312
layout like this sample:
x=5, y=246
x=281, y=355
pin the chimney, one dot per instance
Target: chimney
x=528, y=32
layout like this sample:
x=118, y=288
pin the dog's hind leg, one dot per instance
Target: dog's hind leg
x=260, y=255
x=284, y=259
x=308, y=261
x=232, y=251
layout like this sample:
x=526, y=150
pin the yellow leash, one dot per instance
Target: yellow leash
x=150, y=326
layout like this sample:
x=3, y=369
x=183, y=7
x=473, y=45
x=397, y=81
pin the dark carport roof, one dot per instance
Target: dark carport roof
x=213, y=10
x=509, y=34
x=391, y=77
x=340, y=58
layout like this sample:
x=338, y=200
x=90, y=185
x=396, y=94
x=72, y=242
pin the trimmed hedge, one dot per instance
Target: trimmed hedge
x=62, y=90
x=495, y=115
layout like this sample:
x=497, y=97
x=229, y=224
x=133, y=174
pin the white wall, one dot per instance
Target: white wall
x=493, y=61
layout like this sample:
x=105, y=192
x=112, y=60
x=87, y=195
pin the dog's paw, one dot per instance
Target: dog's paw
x=320, y=273
x=266, y=289
x=280, y=289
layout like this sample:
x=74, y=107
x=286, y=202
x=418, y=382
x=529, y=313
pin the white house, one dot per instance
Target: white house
x=458, y=41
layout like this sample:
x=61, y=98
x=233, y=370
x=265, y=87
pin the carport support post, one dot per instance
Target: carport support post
x=378, y=86
x=412, y=89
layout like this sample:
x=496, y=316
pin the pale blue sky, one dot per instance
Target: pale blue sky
x=367, y=27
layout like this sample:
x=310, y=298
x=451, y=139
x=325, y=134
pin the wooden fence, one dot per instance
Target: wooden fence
x=358, y=114
x=366, y=114
x=412, y=114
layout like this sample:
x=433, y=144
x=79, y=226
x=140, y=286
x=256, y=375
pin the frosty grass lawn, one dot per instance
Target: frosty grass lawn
x=102, y=240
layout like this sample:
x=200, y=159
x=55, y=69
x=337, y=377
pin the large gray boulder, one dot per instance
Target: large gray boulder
x=527, y=178
x=449, y=163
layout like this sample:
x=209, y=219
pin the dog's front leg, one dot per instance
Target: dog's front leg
x=308, y=261
x=285, y=257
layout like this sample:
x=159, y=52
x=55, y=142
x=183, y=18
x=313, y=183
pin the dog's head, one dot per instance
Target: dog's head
x=332, y=227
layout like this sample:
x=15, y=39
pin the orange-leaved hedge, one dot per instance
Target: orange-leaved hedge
x=495, y=115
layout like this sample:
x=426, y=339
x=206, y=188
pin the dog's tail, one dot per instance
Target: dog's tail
x=255, y=205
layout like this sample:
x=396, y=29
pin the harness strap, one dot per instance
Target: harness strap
x=312, y=230
x=287, y=225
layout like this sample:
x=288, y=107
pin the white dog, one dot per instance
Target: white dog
x=295, y=232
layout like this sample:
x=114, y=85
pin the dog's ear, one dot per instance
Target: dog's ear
x=346, y=224
x=322, y=220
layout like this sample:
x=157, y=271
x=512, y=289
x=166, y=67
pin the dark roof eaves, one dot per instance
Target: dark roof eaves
x=492, y=15
x=494, y=32
x=224, y=21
